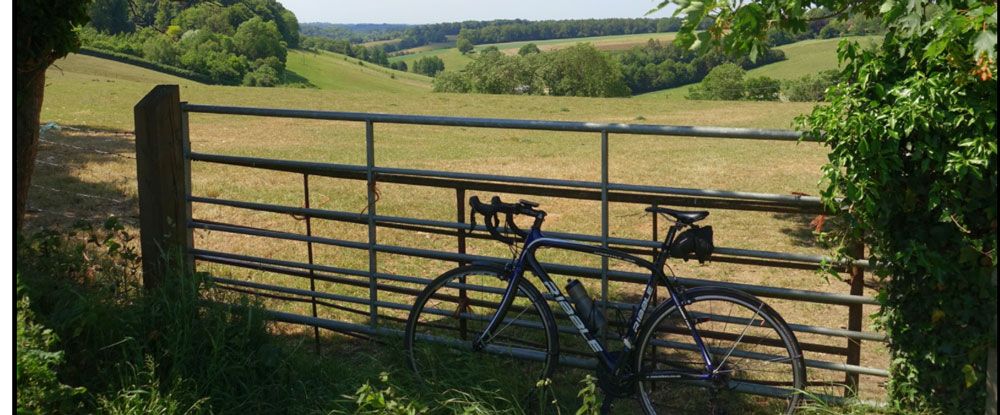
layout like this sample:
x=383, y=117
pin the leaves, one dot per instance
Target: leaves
x=986, y=44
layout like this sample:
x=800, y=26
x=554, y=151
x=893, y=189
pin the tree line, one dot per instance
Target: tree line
x=655, y=66
x=728, y=82
x=825, y=25
x=230, y=42
x=566, y=29
x=353, y=33
x=581, y=70
x=493, y=31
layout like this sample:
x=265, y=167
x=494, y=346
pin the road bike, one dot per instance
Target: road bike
x=703, y=350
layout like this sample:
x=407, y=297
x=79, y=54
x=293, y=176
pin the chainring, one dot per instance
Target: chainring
x=611, y=385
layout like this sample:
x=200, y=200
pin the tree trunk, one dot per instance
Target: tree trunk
x=30, y=86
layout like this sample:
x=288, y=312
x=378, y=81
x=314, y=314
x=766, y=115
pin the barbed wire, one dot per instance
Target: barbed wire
x=128, y=220
x=94, y=150
x=51, y=189
x=91, y=171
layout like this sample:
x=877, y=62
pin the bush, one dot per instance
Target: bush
x=162, y=49
x=39, y=390
x=428, y=65
x=452, y=82
x=913, y=169
x=724, y=82
x=582, y=71
x=810, y=87
x=762, y=88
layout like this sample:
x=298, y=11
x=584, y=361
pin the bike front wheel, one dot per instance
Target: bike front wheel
x=759, y=368
x=455, y=308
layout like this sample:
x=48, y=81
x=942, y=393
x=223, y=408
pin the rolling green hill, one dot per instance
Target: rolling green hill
x=808, y=57
x=332, y=71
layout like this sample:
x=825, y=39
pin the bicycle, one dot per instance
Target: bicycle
x=717, y=350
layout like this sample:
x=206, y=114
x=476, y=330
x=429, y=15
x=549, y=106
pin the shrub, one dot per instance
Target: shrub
x=39, y=390
x=762, y=88
x=913, y=168
x=811, y=87
x=724, y=82
x=428, y=65
x=452, y=82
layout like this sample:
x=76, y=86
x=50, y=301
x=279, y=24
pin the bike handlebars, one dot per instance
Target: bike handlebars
x=492, y=211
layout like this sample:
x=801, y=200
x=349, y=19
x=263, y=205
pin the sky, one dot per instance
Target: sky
x=440, y=11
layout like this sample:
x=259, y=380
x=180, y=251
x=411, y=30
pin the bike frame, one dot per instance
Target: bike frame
x=535, y=240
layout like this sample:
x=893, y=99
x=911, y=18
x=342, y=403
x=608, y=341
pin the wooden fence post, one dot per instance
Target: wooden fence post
x=854, y=320
x=162, y=173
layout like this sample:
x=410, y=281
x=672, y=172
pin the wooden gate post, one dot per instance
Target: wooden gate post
x=162, y=172
x=854, y=320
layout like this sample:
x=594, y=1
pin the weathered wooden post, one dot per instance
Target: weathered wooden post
x=162, y=172
x=854, y=320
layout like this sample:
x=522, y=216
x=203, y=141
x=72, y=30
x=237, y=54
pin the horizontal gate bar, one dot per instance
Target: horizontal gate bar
x=382, y=220
x=773, y=292
x=709, y=199
x=644, y=129
x=250, y=261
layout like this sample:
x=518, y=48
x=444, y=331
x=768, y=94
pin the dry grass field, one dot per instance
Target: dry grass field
x=86, y=170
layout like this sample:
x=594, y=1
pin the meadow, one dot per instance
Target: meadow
x=86, y=169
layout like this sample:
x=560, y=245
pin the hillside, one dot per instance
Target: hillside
x=807, y=57
x=453, y=60
x=332, y=71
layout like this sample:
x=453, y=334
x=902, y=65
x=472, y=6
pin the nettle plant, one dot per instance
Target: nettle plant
x=912, y=168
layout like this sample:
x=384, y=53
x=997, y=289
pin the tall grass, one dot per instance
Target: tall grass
x=92, y=340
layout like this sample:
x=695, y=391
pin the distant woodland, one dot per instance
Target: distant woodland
x=246, y=42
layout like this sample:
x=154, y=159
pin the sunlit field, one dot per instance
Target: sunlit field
x=86, y=170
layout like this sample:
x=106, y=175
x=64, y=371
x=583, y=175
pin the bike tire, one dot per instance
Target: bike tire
x=756, y=352
x=455, y=308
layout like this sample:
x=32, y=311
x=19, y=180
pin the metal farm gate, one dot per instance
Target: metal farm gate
x=164, y=163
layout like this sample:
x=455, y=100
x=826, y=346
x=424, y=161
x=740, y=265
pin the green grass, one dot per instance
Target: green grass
x=808, y=57
x=332, y=71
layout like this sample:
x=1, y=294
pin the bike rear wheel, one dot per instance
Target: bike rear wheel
x=759, y=365
x=455, y=308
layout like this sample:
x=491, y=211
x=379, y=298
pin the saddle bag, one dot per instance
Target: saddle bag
x=696, y=241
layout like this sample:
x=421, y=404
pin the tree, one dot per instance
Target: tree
x=257, y=39
x=724, y=82
x=913, y=171
x=428, y=65
x=464, y=45
x=110, y=16
x=584, y=71
x=528, y=49
x=494, y=72
x=45, y=31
